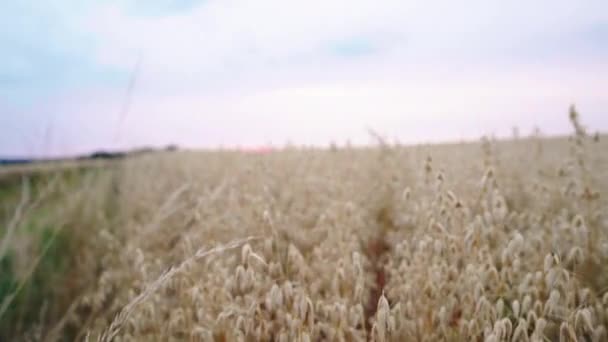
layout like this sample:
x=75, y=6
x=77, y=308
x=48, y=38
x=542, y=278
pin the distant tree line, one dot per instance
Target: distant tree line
x=97, y=155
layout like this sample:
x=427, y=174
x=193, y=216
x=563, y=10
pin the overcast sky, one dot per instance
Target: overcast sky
x=229, y=72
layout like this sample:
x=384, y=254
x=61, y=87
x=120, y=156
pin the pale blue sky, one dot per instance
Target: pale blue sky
x=252, y=72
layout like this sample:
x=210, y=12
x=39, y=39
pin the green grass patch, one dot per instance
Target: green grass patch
x=27, y=292
x=33, y=270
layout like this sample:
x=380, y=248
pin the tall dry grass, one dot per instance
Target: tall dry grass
x=493, y=241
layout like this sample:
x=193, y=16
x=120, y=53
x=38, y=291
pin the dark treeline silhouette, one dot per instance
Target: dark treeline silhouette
x=97, y=155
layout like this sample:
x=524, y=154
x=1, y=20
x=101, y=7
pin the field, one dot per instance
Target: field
x=484, y=241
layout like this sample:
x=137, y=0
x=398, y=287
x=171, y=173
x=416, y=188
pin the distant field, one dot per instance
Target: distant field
x=486, y=241
x=45, y=167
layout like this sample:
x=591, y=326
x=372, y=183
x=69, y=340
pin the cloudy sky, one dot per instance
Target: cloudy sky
x=230, y=72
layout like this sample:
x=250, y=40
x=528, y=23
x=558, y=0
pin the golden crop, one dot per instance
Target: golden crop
x=488, y=241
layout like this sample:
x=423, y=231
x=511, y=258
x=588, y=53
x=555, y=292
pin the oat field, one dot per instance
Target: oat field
x=481, y=241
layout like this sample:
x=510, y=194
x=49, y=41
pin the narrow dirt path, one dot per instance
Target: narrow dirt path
x=377, y=250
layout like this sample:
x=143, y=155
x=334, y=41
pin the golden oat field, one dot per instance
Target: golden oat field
x=494, y=240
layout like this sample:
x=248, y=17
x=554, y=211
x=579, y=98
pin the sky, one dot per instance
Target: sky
x=84, y=75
